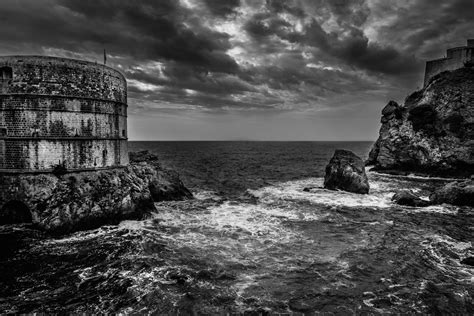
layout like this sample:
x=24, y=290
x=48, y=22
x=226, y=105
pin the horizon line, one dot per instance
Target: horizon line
x=241, y=140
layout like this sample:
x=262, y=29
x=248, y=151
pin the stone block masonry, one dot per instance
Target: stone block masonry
x=61, y=112
x=456, y=58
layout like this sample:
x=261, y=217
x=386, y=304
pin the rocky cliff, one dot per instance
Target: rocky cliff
x=432, y=132
x=84, y=200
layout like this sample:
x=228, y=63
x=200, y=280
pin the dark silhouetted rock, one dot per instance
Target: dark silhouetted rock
x=459, y=193
x=409, y=198
x=142, y=156
x=469, y=261
x=432, y=133
x=85, y=200
x=167, y=186
x=346, y=171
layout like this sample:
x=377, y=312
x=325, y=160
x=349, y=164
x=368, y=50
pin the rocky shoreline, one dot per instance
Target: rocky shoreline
x=85, y=200
x=432, y=133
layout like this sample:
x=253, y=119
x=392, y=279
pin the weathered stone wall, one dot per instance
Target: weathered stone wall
x=456, y=57
x=55, y=111
x=62, y=117
x=42, y=75
x=81, y=154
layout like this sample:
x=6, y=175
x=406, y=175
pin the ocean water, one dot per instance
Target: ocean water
x=253, y=242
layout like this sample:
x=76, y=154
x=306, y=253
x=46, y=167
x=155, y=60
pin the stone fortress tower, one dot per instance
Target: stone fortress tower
x=456, y=58
x=58, y=112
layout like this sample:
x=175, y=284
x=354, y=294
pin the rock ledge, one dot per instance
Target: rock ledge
x=86, y=200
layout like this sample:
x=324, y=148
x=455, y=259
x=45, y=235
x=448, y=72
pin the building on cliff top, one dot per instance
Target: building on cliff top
x=456, y=58
x=58, y=112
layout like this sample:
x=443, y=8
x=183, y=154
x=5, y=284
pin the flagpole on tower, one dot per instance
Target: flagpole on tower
x=105, y=57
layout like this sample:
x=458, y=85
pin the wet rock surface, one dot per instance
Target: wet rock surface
x=346, y=171
x=409, y=198
x=85, y=200
x=432, y=133
x=459, y=193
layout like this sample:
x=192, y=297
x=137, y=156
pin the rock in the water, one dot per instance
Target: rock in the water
x=409, y=198
x=85, y=200
x=346, y=171
x=168, y=187
x=142, y=156
x=432, y=132
x=459, y=193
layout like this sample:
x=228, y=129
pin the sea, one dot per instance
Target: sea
x=253, y=242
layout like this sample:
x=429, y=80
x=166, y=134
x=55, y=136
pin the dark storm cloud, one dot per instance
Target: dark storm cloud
x=181, y=77
x=222, y=7
x=354, y=12
x=279, y=6
x=271, y=55
x=427, y=28
x=264, y=24
x=351, y=46
x=356, y=50
x=142, y=30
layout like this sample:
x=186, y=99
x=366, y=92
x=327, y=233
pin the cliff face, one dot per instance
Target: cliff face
x=432, y=132
x=84, y=200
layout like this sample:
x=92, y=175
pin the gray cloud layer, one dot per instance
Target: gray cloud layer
x=244, y=55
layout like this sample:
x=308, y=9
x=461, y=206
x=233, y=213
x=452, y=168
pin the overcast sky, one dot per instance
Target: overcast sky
x=248, y=69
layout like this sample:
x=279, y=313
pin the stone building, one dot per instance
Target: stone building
x=456, y=58
x=57, y=112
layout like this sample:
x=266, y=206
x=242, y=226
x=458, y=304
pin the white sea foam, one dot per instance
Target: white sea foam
x=253, y=220
x=434, y=243
x=382, y=190
x=380, y=195
x=82, y=235
x=441, y=209
x=206, y=195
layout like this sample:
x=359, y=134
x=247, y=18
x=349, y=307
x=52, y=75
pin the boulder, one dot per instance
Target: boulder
x=346, y=171
x=460, y=193
x=432, y=132
x=85, y=200
x=409, y=198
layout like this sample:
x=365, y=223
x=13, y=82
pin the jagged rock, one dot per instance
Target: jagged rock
x=459, y=193
x=85, y=200
x=167, y=185
x=432, y=132
x=142, y=156
x=409, y=198
x=346, y=171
